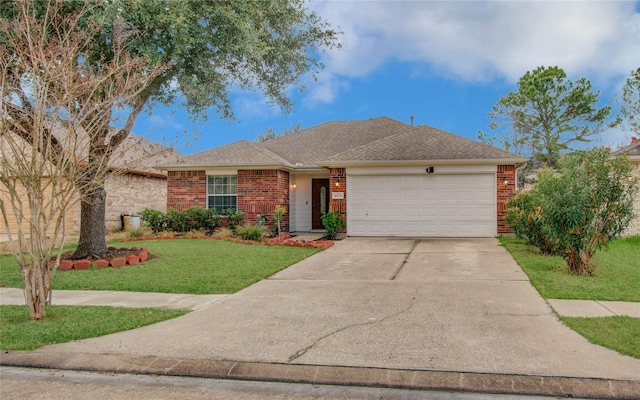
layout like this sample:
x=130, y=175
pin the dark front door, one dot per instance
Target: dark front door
x=319, y=201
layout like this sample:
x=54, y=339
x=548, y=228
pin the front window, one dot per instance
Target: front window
x=222, y=192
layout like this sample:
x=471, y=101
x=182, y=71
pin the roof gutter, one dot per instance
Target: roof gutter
x=367, y=163
x=185, y=167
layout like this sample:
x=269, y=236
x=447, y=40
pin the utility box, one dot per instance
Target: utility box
x=131, y=222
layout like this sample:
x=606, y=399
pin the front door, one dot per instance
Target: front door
x=319, y=201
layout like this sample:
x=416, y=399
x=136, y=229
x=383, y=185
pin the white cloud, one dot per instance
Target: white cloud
x=482, y=40
x=324, y=89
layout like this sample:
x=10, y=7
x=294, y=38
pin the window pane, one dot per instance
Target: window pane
x=222, y=192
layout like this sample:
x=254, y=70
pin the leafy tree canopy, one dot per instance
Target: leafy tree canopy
x=547, y=115
x=204, y=50
x=630, y=108
x=211, y=47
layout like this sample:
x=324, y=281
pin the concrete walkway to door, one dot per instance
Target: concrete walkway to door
x=367, y=311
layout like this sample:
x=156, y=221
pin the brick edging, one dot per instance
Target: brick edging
x=334, y=375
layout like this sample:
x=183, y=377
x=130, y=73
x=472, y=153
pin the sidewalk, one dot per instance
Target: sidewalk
x=12, y=296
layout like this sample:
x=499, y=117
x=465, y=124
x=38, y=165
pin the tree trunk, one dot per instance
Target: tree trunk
x=579, y=261
x=92, y=243
x=37, y=288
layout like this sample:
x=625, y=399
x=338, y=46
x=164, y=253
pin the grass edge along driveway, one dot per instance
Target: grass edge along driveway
x=196, y=266
x=617, y=278
x=189, y=266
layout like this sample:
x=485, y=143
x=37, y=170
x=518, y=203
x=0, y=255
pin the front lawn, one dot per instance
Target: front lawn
x=617, y=278
x=617, y=273
x=66, y=323
x=620, y=333
x=196, y=266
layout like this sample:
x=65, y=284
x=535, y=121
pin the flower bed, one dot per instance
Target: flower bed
x=283, y=240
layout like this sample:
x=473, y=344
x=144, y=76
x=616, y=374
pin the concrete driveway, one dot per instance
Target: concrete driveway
x=424, y=304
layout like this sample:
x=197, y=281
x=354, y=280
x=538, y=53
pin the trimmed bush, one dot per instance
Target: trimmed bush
x=156, y=220
x=249, y=232
x=235, y=218
x=333, y=224
x=191, y=219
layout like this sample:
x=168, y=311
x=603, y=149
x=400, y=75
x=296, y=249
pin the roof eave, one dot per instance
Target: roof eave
x=475, y=161
x=201, y=167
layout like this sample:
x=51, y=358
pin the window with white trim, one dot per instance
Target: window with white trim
x=222, y=192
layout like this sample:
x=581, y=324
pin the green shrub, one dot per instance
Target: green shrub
x=176, y=221
x=249, y=232
x=191, y=219
x=575, y=211
x=156, y=220
x=333, y=224
x=198, y=218
x=524, y=216
x=234, y=217
x=590, y=203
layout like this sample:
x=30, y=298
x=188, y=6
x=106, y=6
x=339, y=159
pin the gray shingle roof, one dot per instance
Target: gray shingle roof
x=322, y=141
x=237, y=153
x=138, y=153
x=633, y=150
x=423, y=143
x=379, y=139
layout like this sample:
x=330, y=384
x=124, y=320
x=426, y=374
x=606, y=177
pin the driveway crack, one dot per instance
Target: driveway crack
x=406, y=258
x=302, y=352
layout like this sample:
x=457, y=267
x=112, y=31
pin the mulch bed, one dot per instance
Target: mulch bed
x=284, y=240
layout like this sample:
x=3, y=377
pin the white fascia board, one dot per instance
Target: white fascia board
x=439, y=169
x=183, y=167
x=376, y=163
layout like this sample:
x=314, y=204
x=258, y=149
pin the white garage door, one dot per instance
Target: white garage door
x=421, y=205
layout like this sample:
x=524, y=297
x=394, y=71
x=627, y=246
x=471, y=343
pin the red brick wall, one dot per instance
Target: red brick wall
x=506, y=186
x=338, y=183
x=260, y=191
x=186, y=189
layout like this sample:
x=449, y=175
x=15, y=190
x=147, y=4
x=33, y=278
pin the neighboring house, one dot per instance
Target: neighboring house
x=385, y=177
x=138, y=184
x=142, y=185
x=633, y=152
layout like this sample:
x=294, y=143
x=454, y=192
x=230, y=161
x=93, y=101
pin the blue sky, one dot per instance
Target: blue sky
x=446, y=63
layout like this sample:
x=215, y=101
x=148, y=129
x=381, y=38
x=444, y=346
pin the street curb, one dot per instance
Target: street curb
x=331, y=375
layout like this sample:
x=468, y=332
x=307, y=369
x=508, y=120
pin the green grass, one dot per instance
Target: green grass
x=197, y=266
x=617, y=278
x=619, y=333
x=66, y=323
x=617, y=273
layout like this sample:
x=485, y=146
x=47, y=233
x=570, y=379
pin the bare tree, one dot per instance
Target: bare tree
x=52, y=102
x=270, y=133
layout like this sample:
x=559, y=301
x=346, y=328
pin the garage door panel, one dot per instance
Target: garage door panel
x=422, y=205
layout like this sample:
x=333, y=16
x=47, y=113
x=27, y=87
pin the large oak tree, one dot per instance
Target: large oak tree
x=208, y=48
